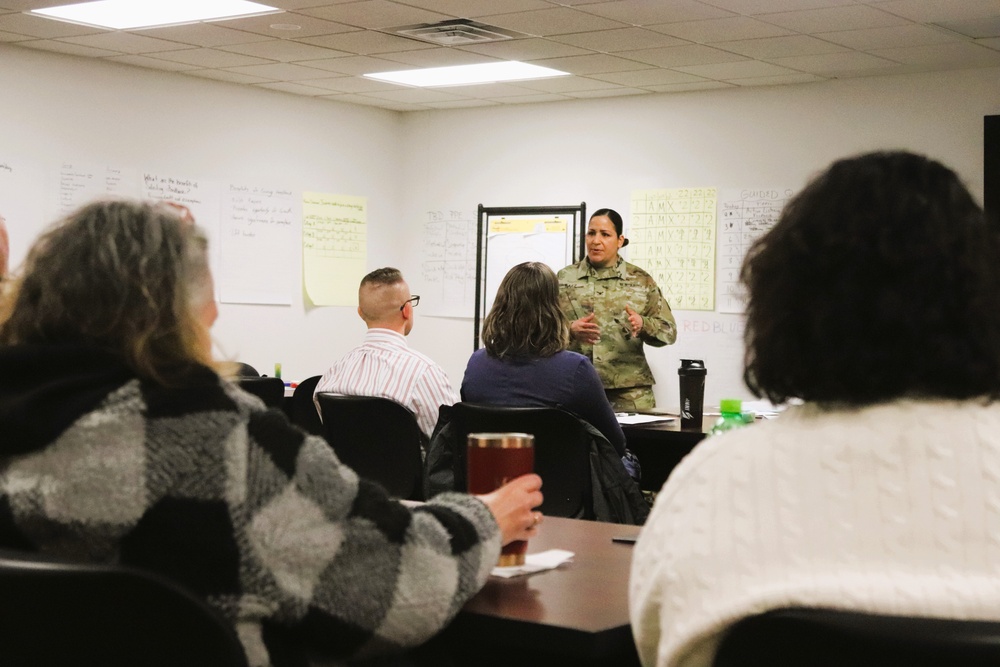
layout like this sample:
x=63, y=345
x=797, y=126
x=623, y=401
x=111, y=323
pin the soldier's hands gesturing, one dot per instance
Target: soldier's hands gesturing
x=585, y=330
x=635, y=319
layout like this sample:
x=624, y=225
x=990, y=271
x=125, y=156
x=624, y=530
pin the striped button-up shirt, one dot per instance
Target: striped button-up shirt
x=385, y=366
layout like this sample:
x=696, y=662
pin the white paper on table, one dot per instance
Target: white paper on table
x=636, y=418
x=545, y=560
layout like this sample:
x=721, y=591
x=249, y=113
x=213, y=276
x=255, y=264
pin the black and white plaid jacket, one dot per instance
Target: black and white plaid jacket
x=206, y=486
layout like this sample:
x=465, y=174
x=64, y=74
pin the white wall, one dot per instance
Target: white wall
x=59, y=108
x=598, y=151
x=64, y=109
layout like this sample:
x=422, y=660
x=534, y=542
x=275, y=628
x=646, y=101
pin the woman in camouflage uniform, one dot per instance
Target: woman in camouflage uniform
x=614, y=307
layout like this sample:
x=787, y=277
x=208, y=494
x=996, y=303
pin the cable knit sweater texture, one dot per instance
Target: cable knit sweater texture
x=211, y=489
x=893, y=508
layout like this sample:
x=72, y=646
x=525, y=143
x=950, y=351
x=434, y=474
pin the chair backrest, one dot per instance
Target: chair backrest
x=269, y=390
x=379, y=439
x=60, y=613
x=303, y=409
x=246, y=370
x=562, y=452
x=798, y=637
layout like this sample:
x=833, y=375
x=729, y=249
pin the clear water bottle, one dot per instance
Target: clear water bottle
x=732, y=415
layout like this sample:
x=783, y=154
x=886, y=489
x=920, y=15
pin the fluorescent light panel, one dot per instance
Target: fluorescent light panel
x=127, y=14
x=465, y=75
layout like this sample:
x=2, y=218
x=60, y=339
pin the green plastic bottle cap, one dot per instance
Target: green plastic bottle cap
x=731, y=405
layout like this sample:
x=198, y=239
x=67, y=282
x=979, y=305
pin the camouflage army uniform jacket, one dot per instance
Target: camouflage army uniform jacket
x=618, y=355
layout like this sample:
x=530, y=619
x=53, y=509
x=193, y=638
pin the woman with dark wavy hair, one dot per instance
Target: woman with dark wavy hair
x=875, y=301
x=524, y=361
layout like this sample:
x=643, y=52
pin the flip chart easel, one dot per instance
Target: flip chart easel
x=507, y=236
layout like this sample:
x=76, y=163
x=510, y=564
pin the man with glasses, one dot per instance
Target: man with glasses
x=384, y=365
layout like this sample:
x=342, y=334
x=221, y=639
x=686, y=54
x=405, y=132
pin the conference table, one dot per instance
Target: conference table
x=661, y=445
x=576, y=614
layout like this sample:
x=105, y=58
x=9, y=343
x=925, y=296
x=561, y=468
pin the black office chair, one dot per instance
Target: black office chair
x=55, y=613
x=799, y=637
x=246, y=370
x=303, y=411
x=269, y=390
x=379, y=439
x=562, y=452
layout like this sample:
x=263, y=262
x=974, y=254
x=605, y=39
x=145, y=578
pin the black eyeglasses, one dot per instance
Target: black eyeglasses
x=413, y=301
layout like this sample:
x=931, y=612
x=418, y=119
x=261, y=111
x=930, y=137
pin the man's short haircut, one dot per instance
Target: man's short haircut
x=382, y=277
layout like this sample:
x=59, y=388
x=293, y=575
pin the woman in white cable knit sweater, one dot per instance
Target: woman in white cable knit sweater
x=876, y=300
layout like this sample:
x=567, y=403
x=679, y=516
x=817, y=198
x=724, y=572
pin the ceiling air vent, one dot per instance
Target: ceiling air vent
x=456, y=33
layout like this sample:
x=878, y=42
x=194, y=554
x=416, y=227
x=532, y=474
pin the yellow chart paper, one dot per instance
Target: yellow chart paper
x=334, y=247
x=672, y=236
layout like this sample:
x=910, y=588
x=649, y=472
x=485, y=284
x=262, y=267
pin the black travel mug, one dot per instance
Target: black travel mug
x=692, y=378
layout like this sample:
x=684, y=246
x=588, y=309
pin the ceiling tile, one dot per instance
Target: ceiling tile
x=12, y=37
x=932, y=11
x=852, y=17
x=126, y=42
x=620, y=39
x=489, y=90
x=951, y=55
x=741, y=70
x=203, y=34
x=34, y=26
x=281, y=72
x=354, y=65
x=721, y=30
x=211, y=58
x=27, y=5
x=69, y=49
x=778, y=47
x=618, y=92
x=367, y=42
x=875, y=38
x=648, y=12
x=566, y=84
x=532, y=48
x=679, y=56
x=365, y=100
x=780, y=80
x=975, y=28
x=646, y=77
x=462, y=104
x=222, y=75
x=598, y=62
x=151, y=63
x=284, y=51
x=556, y=21
x=771, y=6
x=599, y=41
x=689, y=87
x=414, y=95
x=351, y=84
x=475, y=8
x=440, y=57
x=300, y=4
x=309, y=26
x=375, y=14
x=533, y=99
x=294, y=88
x=837, y=63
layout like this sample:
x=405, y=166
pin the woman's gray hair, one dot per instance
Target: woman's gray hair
x=125, y=276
